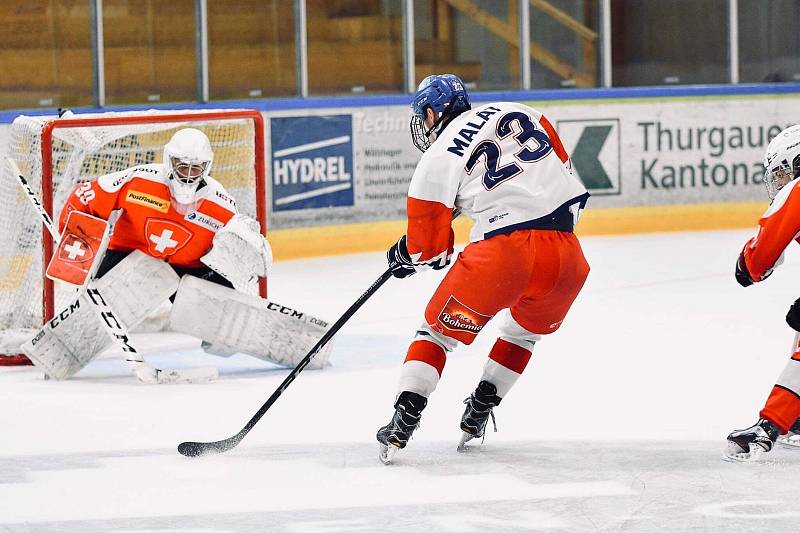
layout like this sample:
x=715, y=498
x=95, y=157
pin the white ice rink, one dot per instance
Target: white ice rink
x=618, y=423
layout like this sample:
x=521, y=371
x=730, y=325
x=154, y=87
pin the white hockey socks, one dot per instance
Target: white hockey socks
x=424, y=362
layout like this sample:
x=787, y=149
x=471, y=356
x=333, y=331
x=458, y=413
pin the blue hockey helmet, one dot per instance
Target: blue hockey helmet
x=447, y=96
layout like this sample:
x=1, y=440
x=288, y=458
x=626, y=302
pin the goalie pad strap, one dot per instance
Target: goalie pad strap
x=230, y=320
x=135, y=287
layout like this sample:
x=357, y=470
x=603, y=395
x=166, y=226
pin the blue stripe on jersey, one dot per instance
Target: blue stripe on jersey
x=561, y=219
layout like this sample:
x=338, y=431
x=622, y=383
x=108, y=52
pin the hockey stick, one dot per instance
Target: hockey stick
x=115, y=329
x=195, y=449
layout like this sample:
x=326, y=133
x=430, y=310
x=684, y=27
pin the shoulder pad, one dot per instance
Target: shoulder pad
x=215, y=192
x=113, y=182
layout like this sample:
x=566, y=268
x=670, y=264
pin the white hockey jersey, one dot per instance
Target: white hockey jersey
x=503, y=165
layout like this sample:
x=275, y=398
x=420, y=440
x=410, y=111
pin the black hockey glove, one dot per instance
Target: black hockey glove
x=742, y=275
x=400, y=262
x=793, y=316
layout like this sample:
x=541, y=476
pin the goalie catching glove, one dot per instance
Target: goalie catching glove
x=240, y=253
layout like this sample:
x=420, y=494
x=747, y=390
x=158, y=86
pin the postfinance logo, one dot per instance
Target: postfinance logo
x=147, y=200
x=312, y=162
x=594, y=146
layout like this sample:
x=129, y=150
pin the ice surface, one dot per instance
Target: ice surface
x=617, y=425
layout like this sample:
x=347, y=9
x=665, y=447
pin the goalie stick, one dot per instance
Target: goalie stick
x=115, y=329
x=196, y=449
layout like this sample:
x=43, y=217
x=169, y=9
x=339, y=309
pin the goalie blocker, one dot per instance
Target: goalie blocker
x=81, y=241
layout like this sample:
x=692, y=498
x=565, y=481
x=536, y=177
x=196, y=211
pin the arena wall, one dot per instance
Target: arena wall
x=654, y=159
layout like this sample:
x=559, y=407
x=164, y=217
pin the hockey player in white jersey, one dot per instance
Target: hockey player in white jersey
x=503, y=165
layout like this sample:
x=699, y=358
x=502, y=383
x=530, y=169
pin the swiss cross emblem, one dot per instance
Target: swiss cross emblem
x=75, y=250
x=165, y=237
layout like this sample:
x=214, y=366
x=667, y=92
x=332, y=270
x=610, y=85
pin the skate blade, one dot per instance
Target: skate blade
x=465, y=438
x=789, y=442
x=387, y=453
x=734, y=453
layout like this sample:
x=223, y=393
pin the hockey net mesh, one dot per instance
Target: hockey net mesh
x=81, y=154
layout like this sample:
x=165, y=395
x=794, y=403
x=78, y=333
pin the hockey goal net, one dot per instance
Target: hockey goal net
x=55, y=153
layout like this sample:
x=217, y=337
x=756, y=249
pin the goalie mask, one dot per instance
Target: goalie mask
x=187, y=159
x=782, y=160
x=446, y=96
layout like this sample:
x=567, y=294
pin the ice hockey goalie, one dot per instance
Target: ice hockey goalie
x=174, y=213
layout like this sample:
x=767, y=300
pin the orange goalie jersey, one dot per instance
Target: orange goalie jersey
x=150, y=222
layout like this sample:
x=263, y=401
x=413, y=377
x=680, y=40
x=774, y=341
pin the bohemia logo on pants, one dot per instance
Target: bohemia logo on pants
x=165, y=237
x=456, y=316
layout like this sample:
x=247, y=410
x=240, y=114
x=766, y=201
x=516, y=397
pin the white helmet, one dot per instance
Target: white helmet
x=782, y=160
x=187, y=158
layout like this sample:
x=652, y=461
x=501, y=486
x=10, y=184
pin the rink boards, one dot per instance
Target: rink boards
x=653, y=159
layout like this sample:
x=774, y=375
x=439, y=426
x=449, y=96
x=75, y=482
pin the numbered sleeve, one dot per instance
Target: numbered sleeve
x=89, y=198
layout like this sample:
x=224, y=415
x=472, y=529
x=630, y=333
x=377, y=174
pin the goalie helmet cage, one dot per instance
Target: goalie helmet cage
x=55, y=153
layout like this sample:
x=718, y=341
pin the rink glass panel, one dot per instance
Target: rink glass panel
x=566, y=31
x=676, y=42
x=150, y=52
x=769, y=41
x=251, y=48
x=448, y=40
x=355, y=47
x=45, y=54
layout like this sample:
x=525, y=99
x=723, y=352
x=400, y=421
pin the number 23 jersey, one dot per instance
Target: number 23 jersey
x=503, y=165
x=150, y=222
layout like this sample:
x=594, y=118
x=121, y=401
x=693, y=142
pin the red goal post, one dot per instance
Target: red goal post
x=56, y=153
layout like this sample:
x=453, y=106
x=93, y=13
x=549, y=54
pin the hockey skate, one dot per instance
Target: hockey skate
x=396, y=434
x=748, y=445
x=479, y=408
x=791, y=439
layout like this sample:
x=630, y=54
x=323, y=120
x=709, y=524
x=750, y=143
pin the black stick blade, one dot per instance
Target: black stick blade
x=199, y=449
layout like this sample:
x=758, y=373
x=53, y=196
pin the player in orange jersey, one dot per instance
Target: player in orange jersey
x=503, y=165
x=779, y=226
x=170, y=211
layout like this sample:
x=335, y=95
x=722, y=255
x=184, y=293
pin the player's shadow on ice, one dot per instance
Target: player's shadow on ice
x=558, y=461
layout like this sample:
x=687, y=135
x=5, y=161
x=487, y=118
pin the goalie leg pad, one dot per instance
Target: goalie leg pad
x=67, y=342
x=133, y=288
x=136, y=286
x=230, y=320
